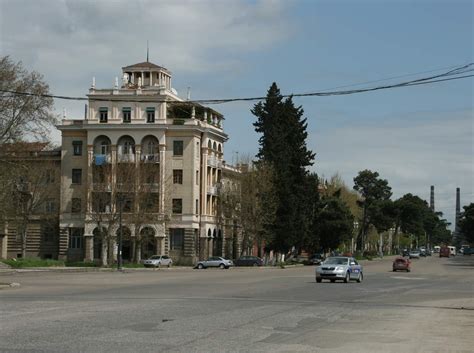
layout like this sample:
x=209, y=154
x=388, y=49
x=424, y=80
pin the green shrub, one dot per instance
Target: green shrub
x=33, y=262
x=82, y=264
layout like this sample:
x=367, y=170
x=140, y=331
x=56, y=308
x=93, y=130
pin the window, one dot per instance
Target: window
x=76, y=205
x=48, y=233
x=76, y=239
x=177, y=206
x=197, y=177
x=104, y=147
x=177, y=239
x=197, y=206
x=77, y=176
x=177, y=176
x=103, y=114
x=177, y=148
x=127, y=115
x=77, y=148
x=50, y=206
x=150, y=115
x=49, y=177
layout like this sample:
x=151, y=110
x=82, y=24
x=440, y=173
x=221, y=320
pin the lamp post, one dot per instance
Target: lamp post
x=120, y=200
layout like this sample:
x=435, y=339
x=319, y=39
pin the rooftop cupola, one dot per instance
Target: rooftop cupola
x=145, y=74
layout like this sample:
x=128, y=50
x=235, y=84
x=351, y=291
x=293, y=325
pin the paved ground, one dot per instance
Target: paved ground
x=430, y=309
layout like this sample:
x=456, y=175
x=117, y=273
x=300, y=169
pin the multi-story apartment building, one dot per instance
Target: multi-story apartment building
x=158, y=159
x=29, y=213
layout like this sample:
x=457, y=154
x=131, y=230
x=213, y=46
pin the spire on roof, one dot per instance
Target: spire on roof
x=147, y=51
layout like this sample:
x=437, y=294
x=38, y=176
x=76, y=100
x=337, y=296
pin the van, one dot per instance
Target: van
x=452, y=250
x=444, y=252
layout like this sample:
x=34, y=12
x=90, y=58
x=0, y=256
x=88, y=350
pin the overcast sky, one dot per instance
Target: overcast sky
x=414, y=137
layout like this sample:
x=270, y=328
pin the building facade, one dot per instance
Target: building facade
x=147, y=160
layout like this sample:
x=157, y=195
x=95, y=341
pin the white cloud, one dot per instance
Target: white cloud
x=411, y=152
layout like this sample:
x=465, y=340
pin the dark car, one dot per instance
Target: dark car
x=405, y=253
x=401, y=264
x=316, y=259
x=249, y=261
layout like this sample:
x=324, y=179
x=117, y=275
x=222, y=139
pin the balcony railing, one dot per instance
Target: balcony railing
x=151, y=158
x=126, y=157
x=101, y=159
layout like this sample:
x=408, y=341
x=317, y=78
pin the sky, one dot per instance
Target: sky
x=414, y=137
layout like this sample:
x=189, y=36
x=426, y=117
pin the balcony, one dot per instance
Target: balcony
x=101, y=159
x=151, y=158
x=126, y=158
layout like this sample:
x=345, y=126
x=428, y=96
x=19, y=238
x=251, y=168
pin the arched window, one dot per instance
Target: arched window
x=209, y=144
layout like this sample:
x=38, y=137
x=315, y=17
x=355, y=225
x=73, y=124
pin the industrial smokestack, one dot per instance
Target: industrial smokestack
x=432, y=204
x=458, y=211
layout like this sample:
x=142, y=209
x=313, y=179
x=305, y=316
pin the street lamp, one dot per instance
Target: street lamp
x=120, y=199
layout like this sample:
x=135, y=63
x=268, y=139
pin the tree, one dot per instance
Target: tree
x=335, y=223
x=23, y=116
x=466, y=223
x=30, y=188
x=374, y=192
x=257, y=205
x=283, y=147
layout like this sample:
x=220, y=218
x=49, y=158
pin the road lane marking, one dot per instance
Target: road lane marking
x=403, y=277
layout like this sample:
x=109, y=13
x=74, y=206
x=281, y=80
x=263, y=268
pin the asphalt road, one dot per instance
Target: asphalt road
x=430, y=309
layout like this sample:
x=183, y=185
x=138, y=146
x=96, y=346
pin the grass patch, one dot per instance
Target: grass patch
x=132, y=265
x=33, y=262
x=82, y=264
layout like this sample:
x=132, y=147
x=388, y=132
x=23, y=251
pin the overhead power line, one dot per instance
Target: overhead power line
x=456, y=73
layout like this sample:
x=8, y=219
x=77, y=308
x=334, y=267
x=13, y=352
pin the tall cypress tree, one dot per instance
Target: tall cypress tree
x=283, y=145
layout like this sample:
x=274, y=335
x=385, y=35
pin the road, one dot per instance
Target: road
x=430, y=309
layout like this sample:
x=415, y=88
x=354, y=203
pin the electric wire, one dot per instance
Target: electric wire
x=453, y=74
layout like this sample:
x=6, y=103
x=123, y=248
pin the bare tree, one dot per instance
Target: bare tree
x=30, y=187
x=25, y=108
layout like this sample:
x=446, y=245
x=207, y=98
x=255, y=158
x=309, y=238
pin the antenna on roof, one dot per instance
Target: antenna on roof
x=147, y=51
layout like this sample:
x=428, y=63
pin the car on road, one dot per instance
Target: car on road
x=214, y=261
x=249, y=261
x=316, y=259
x=444, y=252
x=339, y=268
x=158, y=261
x=468, y=251
x=401, y=264
x=414, y=254
x=405, y=253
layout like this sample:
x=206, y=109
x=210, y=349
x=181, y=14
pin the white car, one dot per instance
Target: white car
x=340, y=268
x=158, y=261
x=214, y=261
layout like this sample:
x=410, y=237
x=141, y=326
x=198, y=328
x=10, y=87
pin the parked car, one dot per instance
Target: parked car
x=468, y=251
x=444, y=252
x=158, y=261
x=414, y=254
x=214, y=261
x=401, y=264
x=452, y=250
x=422, y=253
x=406, y=253
x=316, y=259
x=249, y=261
x=339, y=268
x=428, y=252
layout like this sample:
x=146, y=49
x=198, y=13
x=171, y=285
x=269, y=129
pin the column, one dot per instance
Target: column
x=203, y=197
x=88, y=247
x=4, y=241
x=162, y=177
x=113, y=149
x=90, y=165
x=151, y=78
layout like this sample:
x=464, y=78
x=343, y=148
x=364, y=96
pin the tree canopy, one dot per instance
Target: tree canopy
x=23, y=116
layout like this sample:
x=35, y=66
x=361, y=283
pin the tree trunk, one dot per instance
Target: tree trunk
x=104, y=252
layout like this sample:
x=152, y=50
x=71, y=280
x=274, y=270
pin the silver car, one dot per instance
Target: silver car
x=158, y=261
x=215, y=261
x=339, y=268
